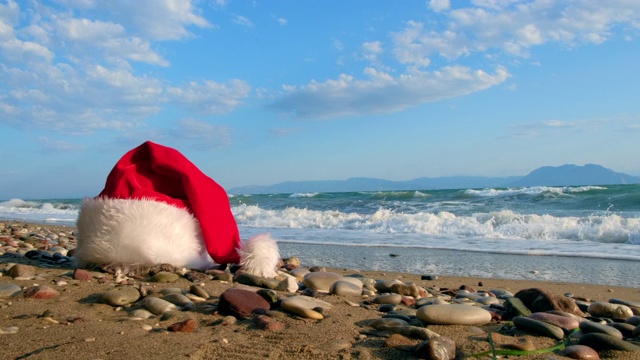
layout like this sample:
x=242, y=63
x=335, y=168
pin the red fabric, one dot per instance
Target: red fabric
x=155, y=172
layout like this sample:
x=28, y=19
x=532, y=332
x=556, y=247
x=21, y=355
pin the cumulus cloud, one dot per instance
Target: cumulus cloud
x=381, y=92
x=210, y=97
x=513, y=27
x=439, y=5
x=242, y=21
x=73, y=69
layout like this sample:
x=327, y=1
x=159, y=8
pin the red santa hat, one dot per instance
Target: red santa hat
x=157, y=207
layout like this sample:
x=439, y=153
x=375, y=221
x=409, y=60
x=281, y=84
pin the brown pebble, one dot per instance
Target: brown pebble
x=21, y=271
x=581, y=352
x=186, y=326
x=400, y=342
x=81, y=274
x=40, y=292
x=264, y=322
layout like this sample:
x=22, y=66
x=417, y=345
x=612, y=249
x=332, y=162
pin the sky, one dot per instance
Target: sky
x=261, y=92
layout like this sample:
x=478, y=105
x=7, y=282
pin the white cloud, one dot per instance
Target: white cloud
x=439, y=5
x=201, y=135
x=48, y=145
x=282, y=21
x=156, y=19
x=210, y=97
x=242, y=21
x=513, y=26
x=382, y=93
x=371, y=50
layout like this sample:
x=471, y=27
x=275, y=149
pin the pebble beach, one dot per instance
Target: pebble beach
x=314, y=309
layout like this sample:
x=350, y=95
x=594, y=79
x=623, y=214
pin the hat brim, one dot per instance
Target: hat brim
x=139, y=232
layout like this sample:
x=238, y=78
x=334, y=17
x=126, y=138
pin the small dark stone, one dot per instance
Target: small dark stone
x=394, y=255
x=438, y=348
x=32, y=254
x=196, y=276
x=539, y=300
x=429, y=277
x=310, y=292
x=386, y=308
x=598, y=342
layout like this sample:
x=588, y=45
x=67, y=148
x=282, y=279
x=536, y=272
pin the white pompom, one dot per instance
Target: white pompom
x=260, y=256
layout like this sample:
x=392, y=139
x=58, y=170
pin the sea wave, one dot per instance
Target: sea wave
x=504, y=224
x=534, y=190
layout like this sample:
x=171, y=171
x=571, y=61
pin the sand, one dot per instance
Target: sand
x=80, y=327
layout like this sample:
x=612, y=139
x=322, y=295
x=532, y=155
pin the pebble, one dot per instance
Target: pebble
x=199, y=291
x=384, y=286
x=539, y=300
x=186, y=326
x=538, y=327
x=81, y=274
x=299, y=273
x=269, y=295
x=158, y=306
x=8, y=330
x=346, y=288
x=592, y=327
x=264, y=322
x=40, y=292
x=120, y=296
x=393, y=299
x=609, y=310
x=557, y=320
x=387, y=323
x=9, y=290
x=634, y=320
x=453, y=315
x=241, y=303
x=165, y=277
x=438, y=348
x=404, y=289
x=141, y=314
x=177, y=299
x=259, y=281
x=298, y=304
x=599, y=341
x=320, y=280
x=581, y=352
x=21, y=271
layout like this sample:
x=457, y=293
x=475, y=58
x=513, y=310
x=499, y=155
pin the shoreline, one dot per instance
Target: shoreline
x=77, y=324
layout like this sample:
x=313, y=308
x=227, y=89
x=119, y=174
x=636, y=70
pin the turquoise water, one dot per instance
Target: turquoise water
x=581, y=221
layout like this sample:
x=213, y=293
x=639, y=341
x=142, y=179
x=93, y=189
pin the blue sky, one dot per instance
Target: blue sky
x=259, y=92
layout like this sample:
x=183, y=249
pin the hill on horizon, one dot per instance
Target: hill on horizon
x=565, y=175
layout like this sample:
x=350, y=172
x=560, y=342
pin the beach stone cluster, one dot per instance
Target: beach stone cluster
x=405, y=314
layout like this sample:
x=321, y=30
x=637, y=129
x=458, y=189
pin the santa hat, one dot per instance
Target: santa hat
x=157, y=207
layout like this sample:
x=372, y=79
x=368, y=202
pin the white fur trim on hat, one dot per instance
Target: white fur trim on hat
x=139, y=232
x=260, y=256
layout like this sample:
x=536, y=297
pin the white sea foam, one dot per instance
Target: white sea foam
x=534, y=190
x=505, y=224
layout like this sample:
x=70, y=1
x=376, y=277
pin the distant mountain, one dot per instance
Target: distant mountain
x=565, y=175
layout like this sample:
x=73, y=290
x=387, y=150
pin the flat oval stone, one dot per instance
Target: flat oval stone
x=21, y=271
x=177, y=299
x=200, y=291
x=165, y=277
x=515, y=307
x=538, y=327
x=121, y=295
x=387, y=323
x=600, y=341
x=320, y=280
x=345, y=288
x=158, y=306
x=255, y=280
x=557, y=320
x=453, y=315
x=624, y=328
x=592, y=327
x=241, y=303
x=384, y=286
x=393, y=299
x=609, y=310
x=581, y=352
x=301, y=311
x=40, y=292
x=404, y=289
x=366, y=281
x=186, y=326
x=299, y=273
x=634, y=320
x=487, y=300
x=9, y=290
x=141, y=313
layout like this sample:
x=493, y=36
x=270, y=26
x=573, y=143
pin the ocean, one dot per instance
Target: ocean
x=531, y=228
